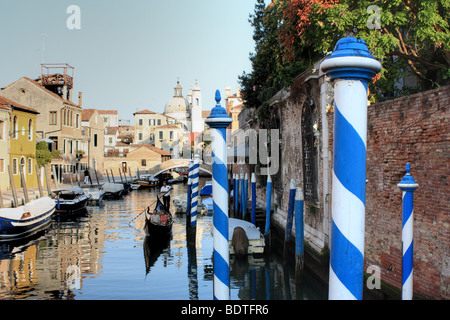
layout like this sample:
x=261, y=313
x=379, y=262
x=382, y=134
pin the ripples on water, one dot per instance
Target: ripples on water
x=101, y=254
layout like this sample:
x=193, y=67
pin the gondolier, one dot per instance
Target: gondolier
x=165, y=190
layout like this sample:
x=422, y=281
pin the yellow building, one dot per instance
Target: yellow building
x=22, y=142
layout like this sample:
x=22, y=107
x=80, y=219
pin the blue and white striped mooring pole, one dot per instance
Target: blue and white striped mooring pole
x=407, y=185
x=350, y=67
x=245, y=196
x=299, y=232
x=253, y=217
x=268, y=203
x=195, y=178
x=236, y=201
x=218, y=121
x=189, y=192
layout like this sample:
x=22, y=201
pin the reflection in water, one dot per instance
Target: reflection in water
x=153, y=248
x=100, y=254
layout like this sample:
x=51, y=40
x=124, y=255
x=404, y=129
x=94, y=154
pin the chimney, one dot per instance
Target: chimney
x=80, y=99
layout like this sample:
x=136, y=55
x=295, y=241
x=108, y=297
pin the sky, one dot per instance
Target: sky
x=128, y=55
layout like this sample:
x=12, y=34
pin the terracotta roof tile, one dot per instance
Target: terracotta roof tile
x=6, y=103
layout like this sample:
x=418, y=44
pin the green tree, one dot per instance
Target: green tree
x=410, y=37
x=43, y=155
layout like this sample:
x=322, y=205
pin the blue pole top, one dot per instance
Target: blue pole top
x=351, y=59
x=218, y=117
x=408, y=183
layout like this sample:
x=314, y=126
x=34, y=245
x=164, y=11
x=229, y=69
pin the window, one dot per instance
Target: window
x=310, y=151
x=30, y=166
x=152, y=122
x=95, y=139
x=110, y=140
x=140, y=136
x=143, y=162
x=15, y=165
x=22, y=164
x=15, y=128
x=71, y=118
x=171, y=135
x=30, y=130
x=64, y=117
x=77, y=120
x=140, y=122
x=152, y=136
x=161, y=135
x=2, y=129
x=53, y=117
x=2, y=165
x=196, y=102
x=159, y=122
x=64, y=146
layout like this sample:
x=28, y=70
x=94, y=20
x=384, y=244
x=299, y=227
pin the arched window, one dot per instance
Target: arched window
x=30, y=129
x=310, y=151
x=15, y=128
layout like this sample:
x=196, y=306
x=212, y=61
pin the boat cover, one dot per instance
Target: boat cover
x=112, y=187
x=251, y=230
x=34, y=207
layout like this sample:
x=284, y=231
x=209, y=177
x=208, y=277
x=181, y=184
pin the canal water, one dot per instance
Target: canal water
x=104, y=254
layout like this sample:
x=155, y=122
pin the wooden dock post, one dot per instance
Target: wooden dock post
x=120, y=173
x=24, y=183
x=107, y=174
x=54, y=177
x=1, y=199
x=38, y=175
x=13, y=187
x=47, y=181
x=112, y=176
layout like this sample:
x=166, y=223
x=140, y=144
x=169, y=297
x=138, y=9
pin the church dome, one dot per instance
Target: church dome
x=178, y=103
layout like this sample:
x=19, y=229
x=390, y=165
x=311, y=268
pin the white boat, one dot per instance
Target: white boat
x=23, y=220
x=96, y=194
x=255, y=237
x=113, y=190
x=135, y=186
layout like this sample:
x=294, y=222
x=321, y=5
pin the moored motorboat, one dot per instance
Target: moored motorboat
x=96, y=193
x=158, y=222
x=24, y=220
x=113, y=190
x=71, y=199
x=147, y=181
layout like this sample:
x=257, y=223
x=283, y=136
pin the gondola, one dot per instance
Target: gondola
x=152, y=227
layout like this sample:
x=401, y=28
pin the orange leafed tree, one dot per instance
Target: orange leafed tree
x=297, y=21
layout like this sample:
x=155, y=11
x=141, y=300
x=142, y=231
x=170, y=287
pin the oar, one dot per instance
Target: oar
x=141, y=212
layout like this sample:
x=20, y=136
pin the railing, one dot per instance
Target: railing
x=115, y=154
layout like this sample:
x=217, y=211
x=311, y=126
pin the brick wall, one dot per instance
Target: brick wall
x=412, y=129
